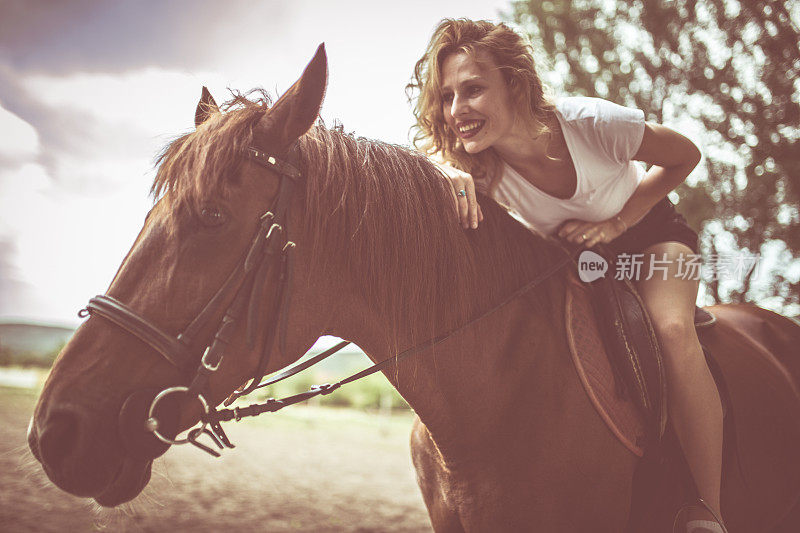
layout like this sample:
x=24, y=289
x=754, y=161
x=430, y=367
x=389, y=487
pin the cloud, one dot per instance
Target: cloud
x=114, y=36
x=91, y=131
x=59, y=130
x=153, y=100
x=110, y=80
x=16, y=295
x=65, y=245
x=19, y=142
x=69, y=140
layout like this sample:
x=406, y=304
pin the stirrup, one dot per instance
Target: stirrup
x=705, y=506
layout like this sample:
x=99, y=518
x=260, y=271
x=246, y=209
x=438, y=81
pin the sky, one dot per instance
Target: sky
x=91, y=91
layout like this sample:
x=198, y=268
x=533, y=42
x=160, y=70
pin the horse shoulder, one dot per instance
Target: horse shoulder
x=433, y=480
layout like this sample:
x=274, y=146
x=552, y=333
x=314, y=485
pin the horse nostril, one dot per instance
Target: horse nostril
x=58, y=439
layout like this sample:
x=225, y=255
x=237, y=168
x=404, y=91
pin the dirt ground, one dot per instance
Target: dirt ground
x=304, y=469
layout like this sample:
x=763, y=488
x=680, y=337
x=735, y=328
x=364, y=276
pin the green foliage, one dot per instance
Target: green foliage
x=732, y=66
x=27, y=358
x=27, y=344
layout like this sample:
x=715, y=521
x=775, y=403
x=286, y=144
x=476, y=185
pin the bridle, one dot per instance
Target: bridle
x=270, y=248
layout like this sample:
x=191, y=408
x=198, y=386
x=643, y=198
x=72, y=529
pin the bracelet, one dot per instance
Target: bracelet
x=623, y=223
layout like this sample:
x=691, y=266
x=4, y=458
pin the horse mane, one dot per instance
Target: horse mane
x=199, y=165
x=387, y=214
x=383, y=213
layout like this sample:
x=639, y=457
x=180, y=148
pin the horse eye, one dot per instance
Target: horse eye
x=212, y=216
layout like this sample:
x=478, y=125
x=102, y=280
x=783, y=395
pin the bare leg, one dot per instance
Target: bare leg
x=694, y=405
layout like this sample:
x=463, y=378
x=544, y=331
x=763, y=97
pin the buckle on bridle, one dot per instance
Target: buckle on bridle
x=206, y=364
x=273, y=227
x=198, y=432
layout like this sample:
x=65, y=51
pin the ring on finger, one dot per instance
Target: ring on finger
x=462, y=192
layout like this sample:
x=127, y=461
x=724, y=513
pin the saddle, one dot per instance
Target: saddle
x=632, y=346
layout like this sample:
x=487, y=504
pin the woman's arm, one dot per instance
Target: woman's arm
x=673, y=157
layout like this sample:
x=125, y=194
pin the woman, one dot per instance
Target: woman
x=567, y=168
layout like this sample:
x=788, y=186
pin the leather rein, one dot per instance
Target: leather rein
x=270, y=248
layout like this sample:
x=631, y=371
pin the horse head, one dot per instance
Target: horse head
x=200, y=250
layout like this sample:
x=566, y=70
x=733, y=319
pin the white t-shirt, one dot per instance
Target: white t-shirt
x=601, y=138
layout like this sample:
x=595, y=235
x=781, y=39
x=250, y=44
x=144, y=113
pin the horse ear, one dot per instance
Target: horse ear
x=298, y=108
x=205, y=107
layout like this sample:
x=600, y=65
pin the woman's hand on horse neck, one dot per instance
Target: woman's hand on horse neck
x=467, y=208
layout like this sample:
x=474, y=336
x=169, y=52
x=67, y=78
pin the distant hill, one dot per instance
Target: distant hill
x=32, y=343
x=37, y=344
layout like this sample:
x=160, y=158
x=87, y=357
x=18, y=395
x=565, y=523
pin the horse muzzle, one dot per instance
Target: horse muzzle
x=65, y=442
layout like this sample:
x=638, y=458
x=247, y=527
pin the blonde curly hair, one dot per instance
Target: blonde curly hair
x=514, y=56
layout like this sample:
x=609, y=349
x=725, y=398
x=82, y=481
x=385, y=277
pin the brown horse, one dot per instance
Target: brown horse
x=506, y=437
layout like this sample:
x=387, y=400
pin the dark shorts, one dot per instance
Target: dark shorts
x=661, y=224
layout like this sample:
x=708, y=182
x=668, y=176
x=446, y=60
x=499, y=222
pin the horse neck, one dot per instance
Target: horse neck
x=512, y=363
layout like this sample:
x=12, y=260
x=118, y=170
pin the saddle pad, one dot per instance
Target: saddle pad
x=594, y=370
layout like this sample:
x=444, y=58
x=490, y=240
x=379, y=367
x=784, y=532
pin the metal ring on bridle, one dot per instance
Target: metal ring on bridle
x=152, y=422
x=462, y=192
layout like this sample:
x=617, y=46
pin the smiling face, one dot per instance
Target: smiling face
x=476, y=102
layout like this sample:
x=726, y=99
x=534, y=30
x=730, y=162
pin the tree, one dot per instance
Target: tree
x=733, y=67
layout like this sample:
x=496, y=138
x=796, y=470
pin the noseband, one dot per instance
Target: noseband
x=269, y=247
